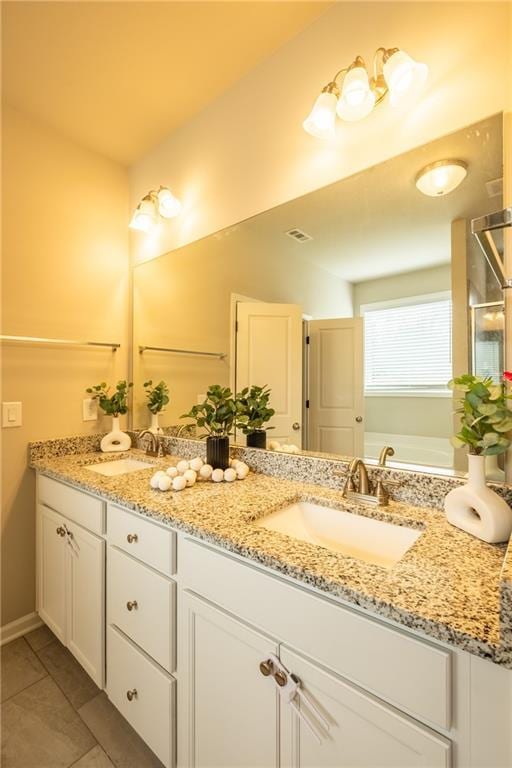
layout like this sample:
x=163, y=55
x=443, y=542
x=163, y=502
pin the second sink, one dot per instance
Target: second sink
x=364, y=538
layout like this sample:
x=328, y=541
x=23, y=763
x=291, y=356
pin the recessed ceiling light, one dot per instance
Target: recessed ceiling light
x=441, y=178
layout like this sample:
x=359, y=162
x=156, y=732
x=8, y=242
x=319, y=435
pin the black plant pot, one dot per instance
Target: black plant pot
x=217, y=451
x=257, y=439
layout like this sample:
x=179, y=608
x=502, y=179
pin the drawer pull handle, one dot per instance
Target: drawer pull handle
x=132, y=538
x=266, y=668
x=61, y=531
x=131, y=695
x=131, y=604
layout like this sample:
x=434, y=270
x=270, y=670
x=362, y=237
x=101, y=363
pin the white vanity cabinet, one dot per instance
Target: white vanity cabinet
x=71, y=572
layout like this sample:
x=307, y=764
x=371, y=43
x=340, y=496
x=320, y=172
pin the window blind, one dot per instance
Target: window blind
x=408, y=346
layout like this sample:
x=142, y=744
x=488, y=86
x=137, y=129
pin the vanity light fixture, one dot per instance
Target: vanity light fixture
x=442, y=177
x=156, y=203
x=394, y=72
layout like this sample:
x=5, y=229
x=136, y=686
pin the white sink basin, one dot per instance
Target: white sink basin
x=119, y=467
x=361, y=537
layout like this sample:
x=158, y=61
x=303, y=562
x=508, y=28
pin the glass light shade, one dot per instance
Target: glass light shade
x=402, y=74
x=441, y=178
x=357, y=99
x=168, y=205
x=322, y=118
x=144, y=217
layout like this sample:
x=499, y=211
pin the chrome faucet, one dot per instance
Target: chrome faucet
x=363, y=491
x=155, y=447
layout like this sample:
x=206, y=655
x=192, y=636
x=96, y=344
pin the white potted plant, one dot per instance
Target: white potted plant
x=157, y=398
x=114, y=405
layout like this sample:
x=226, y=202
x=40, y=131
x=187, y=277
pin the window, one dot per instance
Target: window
x=408, y=346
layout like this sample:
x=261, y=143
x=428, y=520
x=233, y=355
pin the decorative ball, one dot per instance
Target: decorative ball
x=218, y=475
x=242, y=470
x=230, y=474
x=196, y=464
x=182, y=466
x=172, y=472
x=274, y=445
x=205, y=472
x=190, y=476
x=156, y=477
x=164, y=482
x=179, y=483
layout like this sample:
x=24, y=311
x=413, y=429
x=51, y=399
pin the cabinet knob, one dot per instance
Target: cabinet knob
x=131, y=604
x=296, y=426
x=359, y=419
x=131, y=695
x=280, y=678
x=266, y=668
x=132, y=538
x=61, y=531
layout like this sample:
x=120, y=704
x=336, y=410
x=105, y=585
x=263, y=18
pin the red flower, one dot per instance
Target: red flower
x=507, y=375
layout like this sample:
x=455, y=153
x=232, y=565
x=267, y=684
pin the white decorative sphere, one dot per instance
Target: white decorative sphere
x=196, y=464
x=182, y=466
x=179, y=483
x=154, y=480
x=218, y=475
x=172, y=472
x=206, y=471
x=190, y=476
x=230, y=475
x=242, y=470
x=274, y=445
x=164, y=482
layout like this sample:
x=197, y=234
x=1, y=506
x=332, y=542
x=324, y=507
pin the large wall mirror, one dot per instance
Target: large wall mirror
x=355, y=303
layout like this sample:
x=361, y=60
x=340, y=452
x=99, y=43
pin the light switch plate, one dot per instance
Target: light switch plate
x=89, y=409
x=11, y=414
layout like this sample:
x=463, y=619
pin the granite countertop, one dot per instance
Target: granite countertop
x=448, y=585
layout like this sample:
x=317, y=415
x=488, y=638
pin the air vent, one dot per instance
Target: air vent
x=299, y=235
x=494, y=187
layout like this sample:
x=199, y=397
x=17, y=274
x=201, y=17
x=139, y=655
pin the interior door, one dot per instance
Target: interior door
x=335, y=393
x=269, y=351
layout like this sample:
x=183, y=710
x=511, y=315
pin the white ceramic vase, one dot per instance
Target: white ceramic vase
x=476, y=508
x=155, y=428
x=115, y=440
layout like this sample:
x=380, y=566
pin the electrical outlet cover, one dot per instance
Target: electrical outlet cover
x=89, y=409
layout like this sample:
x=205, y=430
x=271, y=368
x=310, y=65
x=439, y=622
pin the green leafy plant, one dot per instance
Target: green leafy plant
x=157, y=396
x=216, y=414
x=114, y=404
x=252, y=409
x=485, y=419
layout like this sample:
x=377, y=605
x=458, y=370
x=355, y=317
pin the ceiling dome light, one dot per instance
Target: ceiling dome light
x=168, y=205
x=441, y=178
x=145, y=215
x=357, y=99
x=321, y=120
x=402, y=73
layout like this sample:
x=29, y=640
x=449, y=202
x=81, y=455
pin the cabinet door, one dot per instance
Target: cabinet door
x=51, y=570
x=228, y=709
x=86, y=602
x=363, y=732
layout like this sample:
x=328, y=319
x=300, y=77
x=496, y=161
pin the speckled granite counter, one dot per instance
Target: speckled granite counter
x=448, y=585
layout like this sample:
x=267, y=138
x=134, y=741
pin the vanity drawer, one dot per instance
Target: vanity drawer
x=151, y=710
x=143, y=539
x=86, y=510
x=142, y=603
x=411, y=674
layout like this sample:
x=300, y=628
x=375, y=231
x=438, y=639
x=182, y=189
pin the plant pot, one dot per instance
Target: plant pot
x=217, y=451
x=476, y=508
x=155, y=428
x=257, y=439
x=115, y=440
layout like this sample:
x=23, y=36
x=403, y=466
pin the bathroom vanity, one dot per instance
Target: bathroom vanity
x=200, y=623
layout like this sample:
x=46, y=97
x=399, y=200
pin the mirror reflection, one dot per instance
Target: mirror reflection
x=355, y=304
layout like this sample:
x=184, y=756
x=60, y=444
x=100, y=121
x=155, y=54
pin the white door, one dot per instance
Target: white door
x=86, y=603
x=335, y=393
x=230, y=710
x=363, y=732
x=51, y=570
x=269, y=351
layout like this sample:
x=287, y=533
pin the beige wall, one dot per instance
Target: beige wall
x=425, y=416
x=169, y=312
x=65, y=275
x=247, y=151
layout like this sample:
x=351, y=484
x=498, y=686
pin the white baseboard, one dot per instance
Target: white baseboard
x=19, y=627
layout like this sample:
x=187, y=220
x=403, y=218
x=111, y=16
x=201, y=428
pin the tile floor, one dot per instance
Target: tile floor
x=54, y=716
